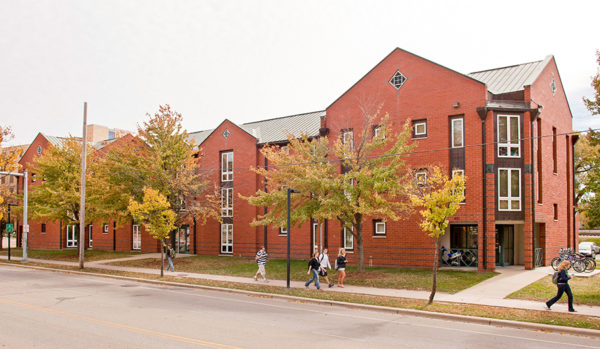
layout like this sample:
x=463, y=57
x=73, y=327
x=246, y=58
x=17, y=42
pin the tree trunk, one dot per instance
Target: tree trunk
x=435, y=269
x=359, y=243
x=162, y=257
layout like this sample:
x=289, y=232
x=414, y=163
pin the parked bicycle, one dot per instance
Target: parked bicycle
x=457, y=258
x=579, y=262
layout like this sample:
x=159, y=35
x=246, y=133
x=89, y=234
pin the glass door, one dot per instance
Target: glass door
x=182, y=240
x=505, y=245
x=71, y=235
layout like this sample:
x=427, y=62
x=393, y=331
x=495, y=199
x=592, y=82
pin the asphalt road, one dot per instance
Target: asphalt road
x=40, y=309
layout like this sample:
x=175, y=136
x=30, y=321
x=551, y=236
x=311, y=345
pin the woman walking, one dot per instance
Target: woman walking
x=341, y=267
x=562, y=285
x=324, y=262
x=313, y=267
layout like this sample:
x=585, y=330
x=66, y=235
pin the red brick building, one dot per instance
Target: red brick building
x=508, y=130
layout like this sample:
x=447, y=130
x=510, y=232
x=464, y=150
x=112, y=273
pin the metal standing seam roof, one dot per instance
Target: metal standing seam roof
x=58, y=141
x=274, y=130
x=512, y=78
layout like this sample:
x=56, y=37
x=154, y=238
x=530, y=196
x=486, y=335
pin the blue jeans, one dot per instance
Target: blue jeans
x=315, y=277
x=170, y=264
x=562, y=288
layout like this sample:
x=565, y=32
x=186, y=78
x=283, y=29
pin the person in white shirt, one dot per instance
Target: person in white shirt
x=324, y=262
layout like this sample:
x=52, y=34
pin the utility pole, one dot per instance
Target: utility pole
x=289, y=230
x=82, y=191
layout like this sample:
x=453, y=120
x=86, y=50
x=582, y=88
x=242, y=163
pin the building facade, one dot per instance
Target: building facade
x=508, y=130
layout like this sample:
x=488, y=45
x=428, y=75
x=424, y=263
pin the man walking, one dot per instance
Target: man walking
x=261, y=260
x=170, y=255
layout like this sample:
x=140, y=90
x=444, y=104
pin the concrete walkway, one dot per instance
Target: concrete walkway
x=491, y=292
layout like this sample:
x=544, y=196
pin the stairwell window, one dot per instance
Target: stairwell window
x=459, y=173
x=226, y=202
x=348, y=239
x=509, y=144
x=457, y=134
x=348, y=140
x=227, y=166
x=509, y=189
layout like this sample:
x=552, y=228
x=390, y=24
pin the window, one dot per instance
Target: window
x=378, y=132
x=348, y=140
x=136, y=238
x=553, y=87
x=379, y=227
x=227, y=238
x=421, y=178
x=419, y=128
x=227, y=166
x=461, y=173
x=2, y=180
x=315, y=228
x=457, y=133
x=508, y=136
x=43, y=228
x=90, y=235
x=226, y=202
x=397, y=80
x=33, y=178
x=285, y=149
x=554, y=150
x=71, y=235
x=463, y=236
x=105, y=229
x=283, y=231
x=39, y=150
x=509, y=189
x=556, y=212
x=348, y=239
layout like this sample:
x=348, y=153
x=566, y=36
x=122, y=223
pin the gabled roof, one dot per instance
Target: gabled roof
x=274, y=130
x=512, y=78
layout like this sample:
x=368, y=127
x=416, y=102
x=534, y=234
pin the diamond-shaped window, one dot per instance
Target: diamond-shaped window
x=398, y=80
x=226, y=133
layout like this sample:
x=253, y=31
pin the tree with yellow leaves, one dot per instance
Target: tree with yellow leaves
x=438, y=198
x=155, y=213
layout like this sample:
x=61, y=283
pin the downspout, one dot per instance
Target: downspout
x=265, y=209
x=60, y=236
x=483, y=115
x=195, y=237
x=114, y=236
x=574, y=140
x=533, y=117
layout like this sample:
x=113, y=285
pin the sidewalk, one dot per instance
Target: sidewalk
x=491, y=292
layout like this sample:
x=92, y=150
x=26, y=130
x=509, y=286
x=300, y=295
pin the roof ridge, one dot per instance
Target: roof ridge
x=508, y=66
x=283, y=117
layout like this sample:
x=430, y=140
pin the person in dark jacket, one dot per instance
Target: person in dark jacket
x=563, y=285
x=313, y=267
x=340, y=264
x=170, y=255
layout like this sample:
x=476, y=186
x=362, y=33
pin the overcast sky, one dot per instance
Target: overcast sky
x=251, y=60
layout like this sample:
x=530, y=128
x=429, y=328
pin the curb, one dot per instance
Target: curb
x=399, y=311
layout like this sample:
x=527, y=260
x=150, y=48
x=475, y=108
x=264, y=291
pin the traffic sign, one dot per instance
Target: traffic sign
x=9, y=228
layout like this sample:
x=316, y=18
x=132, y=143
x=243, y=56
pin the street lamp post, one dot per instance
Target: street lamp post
x=289, y=226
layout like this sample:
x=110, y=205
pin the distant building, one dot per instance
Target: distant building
x=98, y=133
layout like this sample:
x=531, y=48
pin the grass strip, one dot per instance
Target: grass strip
x=450, y=281
x=585, y=290
x=524, y=315
x=68, y=255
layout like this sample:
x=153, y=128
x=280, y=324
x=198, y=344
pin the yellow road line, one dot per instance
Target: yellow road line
x=120, y=326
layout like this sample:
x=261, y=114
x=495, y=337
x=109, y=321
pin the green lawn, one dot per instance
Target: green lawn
x=70, y=255
x=585, y=290
x=596, y=240
x=450, y=281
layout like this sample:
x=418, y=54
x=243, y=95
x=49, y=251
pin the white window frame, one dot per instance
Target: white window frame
x=380, y=223
x=136, y=237
x=315, y=228
x=282, y=231
x=226, y=202
x=90, y=229
x=226, y=172
x=461, y=172
x=421, y=173
x=508, y=145
x=345, y=242
x=227, y=245
x=509, y=198
x=105, y=229
x=416, y=126
x=378, y=132
x=71, y=235
x=348, y=134
x=462, y=132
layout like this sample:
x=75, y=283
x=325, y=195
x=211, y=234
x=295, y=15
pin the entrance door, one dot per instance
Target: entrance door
x=505, y=245
x=182, y=240
x=71, y=235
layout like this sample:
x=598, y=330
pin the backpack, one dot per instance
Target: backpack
x=171, y=253
x=555, y=278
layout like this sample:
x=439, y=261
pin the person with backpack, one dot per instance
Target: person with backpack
x=261, y=260
x=561, y=279
x=324, y=262
x=340, y=265
x=313, y=267
x=170, y=255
